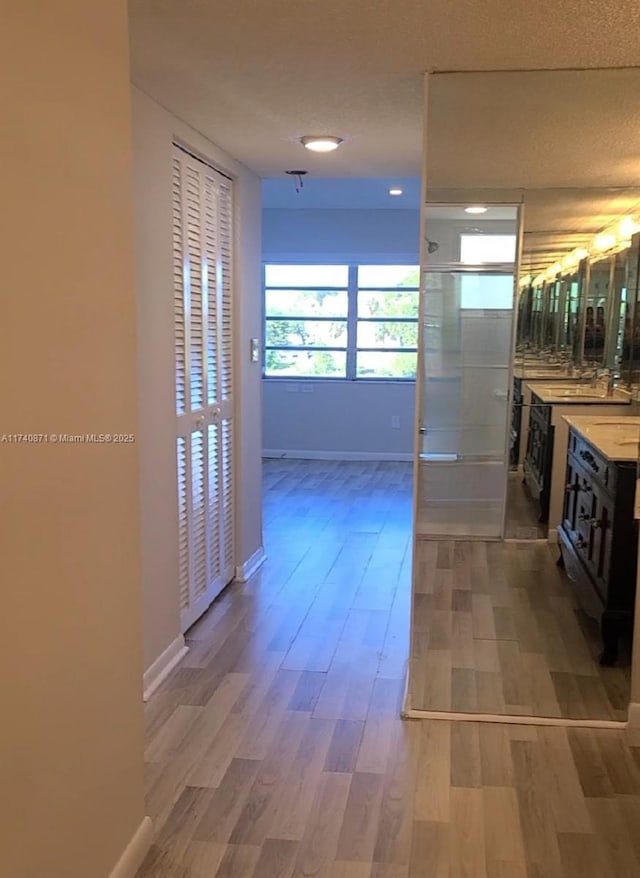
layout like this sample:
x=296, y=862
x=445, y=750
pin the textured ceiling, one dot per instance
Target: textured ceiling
x=534, y=130
x=255, y=75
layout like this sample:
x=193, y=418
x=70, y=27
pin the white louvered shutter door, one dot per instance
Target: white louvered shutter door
x=202, y=243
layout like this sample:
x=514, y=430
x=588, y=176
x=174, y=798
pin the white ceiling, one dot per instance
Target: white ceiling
x=255, y=75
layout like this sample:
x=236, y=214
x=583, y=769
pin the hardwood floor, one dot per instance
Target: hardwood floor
x=522, y=511
x=497, y=630
x=276, y=750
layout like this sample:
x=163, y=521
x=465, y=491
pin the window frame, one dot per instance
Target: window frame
x=352, y=349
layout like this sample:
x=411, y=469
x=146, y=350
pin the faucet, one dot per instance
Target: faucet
x=609, y=380
x=605, y=379
x=588, y=375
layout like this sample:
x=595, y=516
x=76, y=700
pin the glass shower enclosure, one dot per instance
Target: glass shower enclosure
x=465, y=379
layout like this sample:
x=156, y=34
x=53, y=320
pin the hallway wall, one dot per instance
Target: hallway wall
x=71, y=737
x=154, y=130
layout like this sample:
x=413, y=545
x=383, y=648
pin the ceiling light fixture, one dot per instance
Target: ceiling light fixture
x=396, y=191
x=321, y=143
x=299, y=178
x=476, y=209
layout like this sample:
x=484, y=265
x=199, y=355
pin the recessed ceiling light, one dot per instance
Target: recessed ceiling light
x=396, y=191
x=476, y=209
x=321, y=143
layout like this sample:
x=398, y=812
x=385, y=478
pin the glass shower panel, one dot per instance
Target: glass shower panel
x=466, y=386
x=465, y=381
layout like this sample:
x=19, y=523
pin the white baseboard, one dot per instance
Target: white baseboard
x=245, y=571
x=336, y=455
x=512, y=719
x=633, y=725
x=135, y=851
x=162, y=667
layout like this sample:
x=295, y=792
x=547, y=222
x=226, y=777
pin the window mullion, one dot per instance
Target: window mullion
x=352, y=322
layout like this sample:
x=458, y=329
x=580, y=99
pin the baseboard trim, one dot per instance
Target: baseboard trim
x=336, y=455
x=135, y=851
x=162, y=667
x=511, y=719
x=245, y=571
x=633, y=725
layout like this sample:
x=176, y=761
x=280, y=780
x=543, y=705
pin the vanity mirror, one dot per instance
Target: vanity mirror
x=569, y=300
x=618, y=324
x=597, y=307
x=524, y=335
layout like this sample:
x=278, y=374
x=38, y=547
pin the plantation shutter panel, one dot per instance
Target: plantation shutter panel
x=202, y=201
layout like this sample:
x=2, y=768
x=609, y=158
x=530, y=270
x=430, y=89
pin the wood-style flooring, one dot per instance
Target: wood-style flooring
x=276, y=749
x=522, y=511
x=497, y=629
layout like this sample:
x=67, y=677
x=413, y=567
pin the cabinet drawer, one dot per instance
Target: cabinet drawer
x=601, y=470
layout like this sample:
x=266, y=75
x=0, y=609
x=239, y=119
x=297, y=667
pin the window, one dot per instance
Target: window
x=477, y=249
x=341, y=321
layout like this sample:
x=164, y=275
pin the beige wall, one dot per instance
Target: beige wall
x=71, y=731
x=154, y=132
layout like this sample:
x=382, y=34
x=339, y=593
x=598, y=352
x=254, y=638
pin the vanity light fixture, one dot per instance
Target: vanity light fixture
x=321, y=142
x=477, y=208
x=627, y=227
x=396, y=191
x=605, y=241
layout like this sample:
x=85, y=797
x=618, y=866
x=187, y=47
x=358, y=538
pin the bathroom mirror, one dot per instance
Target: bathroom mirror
x=618, y=322
x=596, y=310
x=569, y=303
x=524, y=334
x=631, y=346
x=550, y=321
x=537, y=317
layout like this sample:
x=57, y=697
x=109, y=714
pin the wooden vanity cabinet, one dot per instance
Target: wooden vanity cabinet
x=539, y=456
x=516, y=422
x=598, y=538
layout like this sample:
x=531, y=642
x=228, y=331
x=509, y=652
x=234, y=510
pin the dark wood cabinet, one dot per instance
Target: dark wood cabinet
x=516, y=422
x=539, y=456
x=598, y=538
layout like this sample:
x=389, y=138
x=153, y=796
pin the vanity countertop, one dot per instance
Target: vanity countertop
x=577, y=394
x=616, y=437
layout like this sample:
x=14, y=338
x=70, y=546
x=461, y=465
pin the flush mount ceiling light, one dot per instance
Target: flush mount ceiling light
x=321, y=143
x=476, y=209
x=396, y=191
